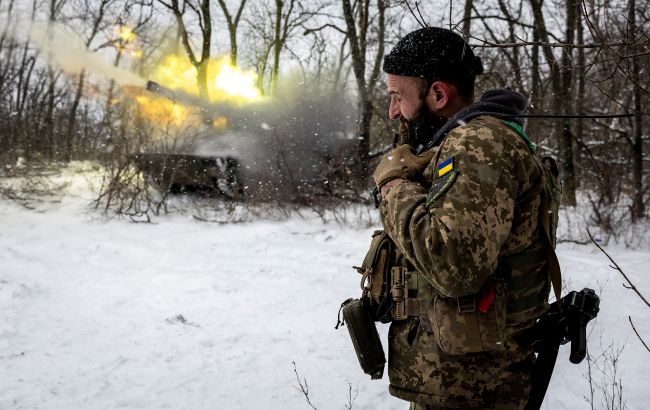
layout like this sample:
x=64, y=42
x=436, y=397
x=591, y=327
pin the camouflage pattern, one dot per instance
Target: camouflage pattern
x=512, y=405
x=400, y=163
x=454, y=235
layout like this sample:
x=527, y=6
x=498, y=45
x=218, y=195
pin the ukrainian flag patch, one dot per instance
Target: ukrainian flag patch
x=445, y=167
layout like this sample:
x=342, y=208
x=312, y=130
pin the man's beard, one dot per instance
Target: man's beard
x=422, y=128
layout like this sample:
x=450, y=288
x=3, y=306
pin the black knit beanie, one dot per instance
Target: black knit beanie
x=432, y=52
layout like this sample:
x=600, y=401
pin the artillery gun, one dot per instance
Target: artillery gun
x=273, y=145
x=178, y=172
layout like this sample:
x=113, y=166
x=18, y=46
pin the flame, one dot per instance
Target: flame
x=125, y=33
x=225, y=81
x=127, y=41
x=220, y=122
x=165, y=112
x=236, y=83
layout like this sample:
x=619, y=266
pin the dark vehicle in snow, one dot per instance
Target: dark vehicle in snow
x=192, y=173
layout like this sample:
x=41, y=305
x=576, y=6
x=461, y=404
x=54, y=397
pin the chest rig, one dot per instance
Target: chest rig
x=392, y=287
x=512, y=297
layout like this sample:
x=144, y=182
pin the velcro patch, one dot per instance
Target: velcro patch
x=441, y=185
x=445, y=167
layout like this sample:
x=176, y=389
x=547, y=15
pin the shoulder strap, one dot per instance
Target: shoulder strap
x=548, y=220
x=554, y=271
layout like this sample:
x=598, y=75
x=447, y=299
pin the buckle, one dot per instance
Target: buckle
x=466, y=304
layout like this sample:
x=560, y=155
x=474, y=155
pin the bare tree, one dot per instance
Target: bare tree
x=136, y=15
x=233, y=23
x=360, y=18
x=638, y=205
x=200, y=9
x=562, y=83
x=273, y=27
x=55, y=8
x=95, y=14
x=289, y=16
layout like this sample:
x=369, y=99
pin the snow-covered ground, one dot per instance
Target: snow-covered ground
x=184, y=314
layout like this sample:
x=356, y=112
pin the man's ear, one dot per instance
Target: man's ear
x=439, y=95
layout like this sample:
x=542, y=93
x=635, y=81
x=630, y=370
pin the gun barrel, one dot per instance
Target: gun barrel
x=170, y=94
x=153, y=86
x=208, y=108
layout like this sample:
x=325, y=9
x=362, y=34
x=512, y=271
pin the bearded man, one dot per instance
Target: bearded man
x=462, y=204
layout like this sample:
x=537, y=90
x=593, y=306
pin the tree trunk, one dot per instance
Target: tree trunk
x=561, y=85
x=536, y=88
x=49, y=114
x=232, y=27
x=363, y=149
x=638, y=205
x=202, y=78
x=72, y=118
x=580, y=104
x=205, y=23
x=233, y=46
x=357, y=38
x=277, y=47
x=111, y=91
x=467, y=18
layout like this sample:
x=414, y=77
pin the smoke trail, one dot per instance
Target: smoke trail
x=67, y=51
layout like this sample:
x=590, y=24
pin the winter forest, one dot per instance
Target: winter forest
x=172, y=173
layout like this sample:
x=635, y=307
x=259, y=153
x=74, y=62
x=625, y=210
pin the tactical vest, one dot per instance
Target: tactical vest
x=511, y=299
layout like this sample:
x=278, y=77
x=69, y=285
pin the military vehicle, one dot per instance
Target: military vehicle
x=270, y=145
x=178, y=173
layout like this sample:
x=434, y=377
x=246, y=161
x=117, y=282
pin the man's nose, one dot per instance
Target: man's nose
x=394, y=111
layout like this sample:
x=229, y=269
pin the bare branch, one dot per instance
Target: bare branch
x=637, y=334
x=328, y=25
x=618, y=268
x=488, y=44
x=417, y=17
x=351, y=399
x=303, y=386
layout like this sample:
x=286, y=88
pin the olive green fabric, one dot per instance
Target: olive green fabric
x=400, y=163
x=458, y=235
x=531, y=145
x=376, y=267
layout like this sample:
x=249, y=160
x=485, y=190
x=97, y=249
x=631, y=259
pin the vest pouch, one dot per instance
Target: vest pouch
x=365, y=338
x=527, y=278
x=460, y=327
x=376, y=276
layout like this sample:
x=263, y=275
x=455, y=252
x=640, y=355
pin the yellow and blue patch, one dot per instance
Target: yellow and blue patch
x=445, y=167
x=446, y=177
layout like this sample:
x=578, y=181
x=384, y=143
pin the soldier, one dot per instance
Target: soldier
x=461, y=202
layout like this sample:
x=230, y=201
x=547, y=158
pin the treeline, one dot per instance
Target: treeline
x=567, y=58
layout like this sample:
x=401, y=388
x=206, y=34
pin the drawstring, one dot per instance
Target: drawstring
x=340, y=322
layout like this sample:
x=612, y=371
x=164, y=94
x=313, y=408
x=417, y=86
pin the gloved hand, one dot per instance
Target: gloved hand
x=401, y=163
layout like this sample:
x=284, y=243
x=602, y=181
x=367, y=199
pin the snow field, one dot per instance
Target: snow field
x=91, y=314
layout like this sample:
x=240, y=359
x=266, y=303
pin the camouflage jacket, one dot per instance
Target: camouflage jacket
x=479, y=202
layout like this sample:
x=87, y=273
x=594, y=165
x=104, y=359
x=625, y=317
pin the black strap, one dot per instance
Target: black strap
x=544, y=366
x=548, y=335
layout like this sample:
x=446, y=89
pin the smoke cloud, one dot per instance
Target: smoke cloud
x=297, y=136
x=293, y=138
x=68, y=52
